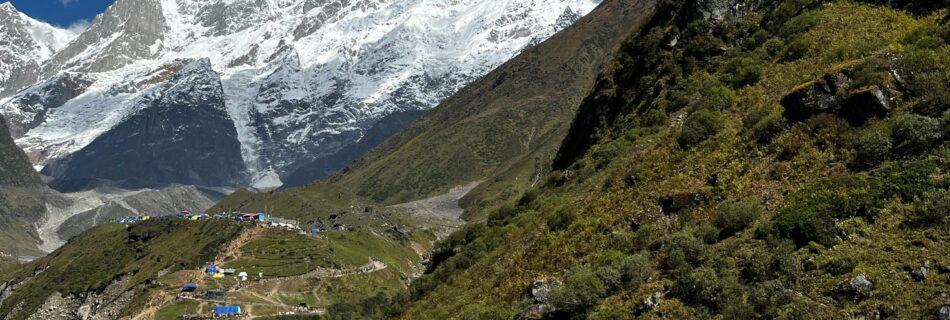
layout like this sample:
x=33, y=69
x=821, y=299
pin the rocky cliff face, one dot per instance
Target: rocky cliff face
x=15, y=169
x=25, y=44
x=301, y=81
x=180, y=134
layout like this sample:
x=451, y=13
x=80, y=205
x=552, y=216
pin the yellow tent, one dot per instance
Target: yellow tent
x=218, y=276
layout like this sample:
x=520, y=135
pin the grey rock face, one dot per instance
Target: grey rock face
x=919, y=274
x=36, y=102
x=181, y=135
x=832, y=94
x=541, y=290
x=15, y=168
x=138, y=27
x=718, y=10
x=944, y=313
x=854, y=289
x=22, y=50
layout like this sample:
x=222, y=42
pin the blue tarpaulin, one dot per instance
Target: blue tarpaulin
x=189, y=287
x=227, y=310
x=314, y=230
x=211, y=269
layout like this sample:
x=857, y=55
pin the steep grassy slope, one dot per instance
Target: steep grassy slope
x=761, y=163
x=508, y=123
x=113, y=264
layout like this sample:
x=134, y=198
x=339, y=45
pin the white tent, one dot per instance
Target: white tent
x=243, y=276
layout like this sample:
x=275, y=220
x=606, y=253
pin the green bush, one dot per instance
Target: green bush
x=736, y=216
x=635, y=269
x=873, y=147
x=706, y=232
x=684, y=251
x=700, y=125
x=768, y=128
x=840, y=266
x=560, y=219
x=715, y=96
x=932, y=208
x=796, y=49
x=908, y=179
x=742, y=71
x=653, y=118
x=581, y=290
x=913, y=134
x=704, y=286
x=773, y=47
x=809, y=214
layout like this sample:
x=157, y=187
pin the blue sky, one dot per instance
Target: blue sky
x=63, y=13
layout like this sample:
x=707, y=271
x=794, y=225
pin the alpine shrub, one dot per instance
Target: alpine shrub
x=701, y=125
x=736, y=216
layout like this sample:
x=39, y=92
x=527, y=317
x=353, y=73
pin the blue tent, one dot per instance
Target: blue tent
x=189, y=287
x=211, y=269
x=314, y=230
x=227, y=310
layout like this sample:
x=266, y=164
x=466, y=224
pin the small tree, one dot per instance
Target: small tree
x=736, y=216
x=872, y=148
x=742, y=71
x=581, y=290
x=700, y=126
x=932, y=208
x=913, y=134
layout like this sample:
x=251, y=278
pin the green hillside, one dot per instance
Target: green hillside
x=503, y=129
x=788, y=161
x=113, y=258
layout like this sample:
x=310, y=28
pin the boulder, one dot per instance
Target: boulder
x=833, y=94
x=854, y=289
x=649, y=304
x=919, y=274
x=541, y=290
x=944, y=313
x=541, y=294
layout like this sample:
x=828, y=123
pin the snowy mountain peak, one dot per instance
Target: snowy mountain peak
x=300, y=80
x=25, y=44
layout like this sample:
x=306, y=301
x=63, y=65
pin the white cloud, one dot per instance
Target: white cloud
x=66, y=2
x=79, y=26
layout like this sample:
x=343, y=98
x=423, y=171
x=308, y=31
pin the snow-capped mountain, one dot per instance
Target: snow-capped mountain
x=167, y=88
x=25, y=44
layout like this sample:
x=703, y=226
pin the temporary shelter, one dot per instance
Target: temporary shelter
x=211, y=269
x=189, y=287
x=243, y=276
x=227, y=310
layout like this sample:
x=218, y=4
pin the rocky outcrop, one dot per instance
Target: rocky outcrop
x=32, y=105
x=182, y=135
x=855, y=289
x=15, y=168
x=833, y=94
x=541, y=294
